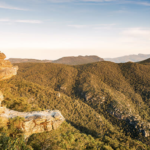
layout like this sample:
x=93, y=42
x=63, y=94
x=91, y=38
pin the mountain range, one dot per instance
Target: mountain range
x=127, y=58
x=26, y=60
x=84, y=59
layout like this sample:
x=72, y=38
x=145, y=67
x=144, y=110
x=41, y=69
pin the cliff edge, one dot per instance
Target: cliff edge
x=30, y=122
x=7, y=70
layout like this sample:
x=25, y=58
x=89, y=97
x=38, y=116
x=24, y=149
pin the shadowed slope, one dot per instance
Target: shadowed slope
x=146, y=62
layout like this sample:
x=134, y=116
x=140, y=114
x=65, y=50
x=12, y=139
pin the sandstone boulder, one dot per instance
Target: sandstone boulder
x=7, y=73
x=40, y=119
x=5, y=63
x=38, y=129
x=2, y=56
x=34, y=122
x=28, y=126
x=49, y=126
x=7, y=70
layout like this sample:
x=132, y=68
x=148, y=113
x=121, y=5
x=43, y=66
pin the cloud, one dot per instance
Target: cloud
x=104, y=26
x=138, y=2
x=60, y=1
x=4, y=20
x=20, y=21
x=29, y=21
x=144, y=3
x=77, y=26
x=121, y=11
x=98, y=0
x=137, y=32
x=5, y=6
x=96, y=26
x=121, y=1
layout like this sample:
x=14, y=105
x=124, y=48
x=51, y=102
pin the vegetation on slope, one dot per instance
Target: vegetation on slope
x=147, y=61
x=96, y=99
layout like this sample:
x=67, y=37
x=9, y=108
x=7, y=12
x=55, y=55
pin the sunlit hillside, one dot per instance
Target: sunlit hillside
x=105, y=104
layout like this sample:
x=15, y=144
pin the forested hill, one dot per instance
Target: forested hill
x=64, y=60
x=106, y=105
x=78, y=60
x=147, y=61
x=27, y=60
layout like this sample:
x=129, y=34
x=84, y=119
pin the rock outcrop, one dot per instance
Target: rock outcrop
x=2, y=56
x=6, y=68
x=142, y=126
x=120, y=110
x=133, y=119
x=31, y=122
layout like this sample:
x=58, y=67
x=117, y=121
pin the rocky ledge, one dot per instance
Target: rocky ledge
x=7, y=70
x=29, y=122
x=33, y=122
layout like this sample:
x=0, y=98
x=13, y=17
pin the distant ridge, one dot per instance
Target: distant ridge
x=26, y=60
x=132, y=58
x=147, y=61
x=78, y=60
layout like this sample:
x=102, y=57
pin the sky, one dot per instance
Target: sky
x=50, y=29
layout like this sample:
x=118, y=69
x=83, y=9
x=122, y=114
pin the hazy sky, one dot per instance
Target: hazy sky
x=49, y=29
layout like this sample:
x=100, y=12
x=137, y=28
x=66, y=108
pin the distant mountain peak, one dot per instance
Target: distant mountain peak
x=133, y=58
x=78, y=60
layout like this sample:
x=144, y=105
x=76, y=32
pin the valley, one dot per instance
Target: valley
x=104, y=102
